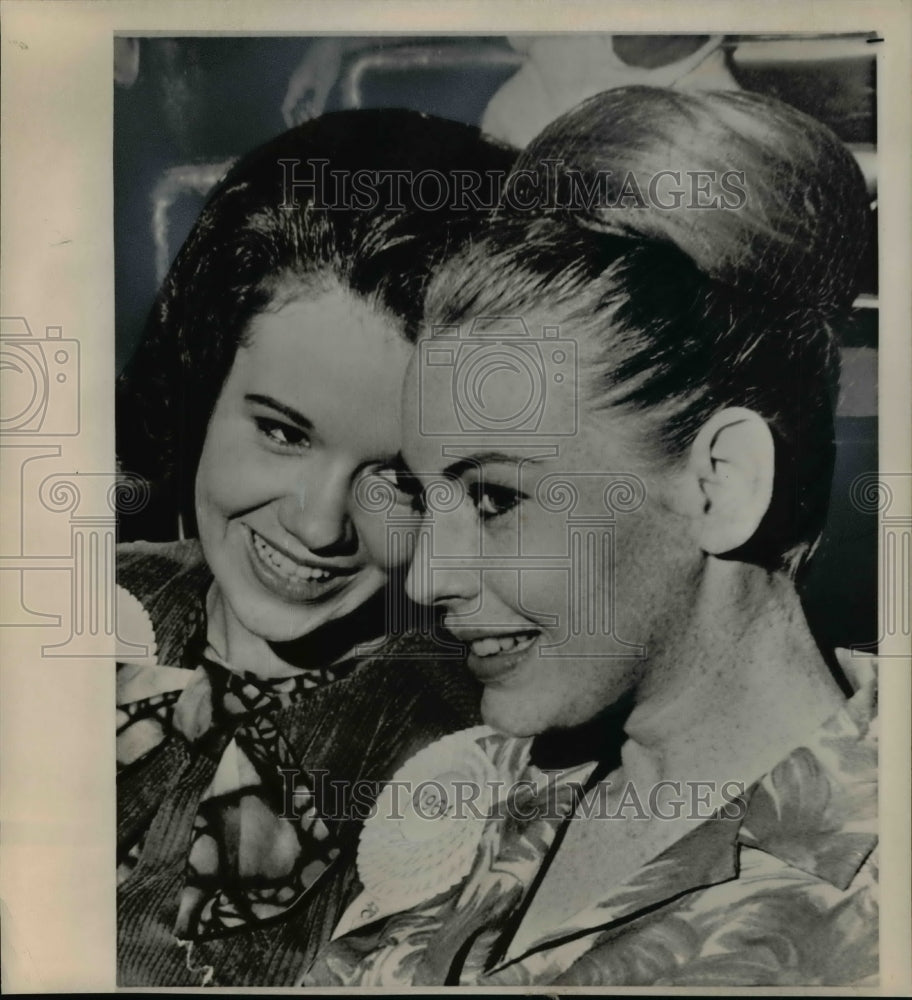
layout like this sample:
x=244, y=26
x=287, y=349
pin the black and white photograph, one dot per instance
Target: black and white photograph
x=502, y=545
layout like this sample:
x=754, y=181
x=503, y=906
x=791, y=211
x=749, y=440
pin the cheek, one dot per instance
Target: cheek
x=227, y=478
x=656, y=573
x=541, y=535
x=388, y=544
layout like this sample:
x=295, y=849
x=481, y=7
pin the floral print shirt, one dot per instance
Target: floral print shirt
x=782, y=891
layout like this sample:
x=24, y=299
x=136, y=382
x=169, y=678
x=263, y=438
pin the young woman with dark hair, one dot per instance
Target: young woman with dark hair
x=263, y=408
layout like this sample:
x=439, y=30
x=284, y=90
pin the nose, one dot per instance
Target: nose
x=317, y=513
x=435, y=575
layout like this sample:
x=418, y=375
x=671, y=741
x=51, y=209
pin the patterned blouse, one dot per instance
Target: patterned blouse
x=779, y=891
x=236, y=838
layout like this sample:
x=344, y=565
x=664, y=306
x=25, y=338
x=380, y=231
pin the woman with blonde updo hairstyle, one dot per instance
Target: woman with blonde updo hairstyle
x=685, y=780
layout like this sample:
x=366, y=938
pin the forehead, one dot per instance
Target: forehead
x=498, y=379
x=331, y=356
x=325, y=321
x=528, y=395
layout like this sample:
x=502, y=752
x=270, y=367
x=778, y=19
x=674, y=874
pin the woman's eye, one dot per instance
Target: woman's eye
x=281, y=434
x=494, y=501
x=401, y=487
x=384, y=485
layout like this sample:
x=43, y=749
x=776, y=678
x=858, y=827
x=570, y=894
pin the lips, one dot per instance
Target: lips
x=293, y=579
x=493, y=656
x=496, y=644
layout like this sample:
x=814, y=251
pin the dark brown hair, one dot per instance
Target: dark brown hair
x=247, y=239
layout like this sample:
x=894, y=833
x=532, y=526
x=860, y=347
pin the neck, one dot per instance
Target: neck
x=237, y=646
x=742, y=686
x=326, y=646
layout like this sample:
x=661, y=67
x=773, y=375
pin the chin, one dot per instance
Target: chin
x=509, y=712
x=521, y=713
x=276, y=624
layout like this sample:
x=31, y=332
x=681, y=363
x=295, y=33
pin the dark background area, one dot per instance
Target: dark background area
x=202, y=101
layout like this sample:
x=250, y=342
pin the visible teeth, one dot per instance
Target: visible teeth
x=491, y=645
x=287, y=567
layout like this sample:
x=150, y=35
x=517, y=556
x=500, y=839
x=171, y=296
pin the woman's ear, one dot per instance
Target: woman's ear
x=731, y=468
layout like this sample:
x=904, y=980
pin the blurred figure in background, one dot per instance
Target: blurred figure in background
x=561, y=70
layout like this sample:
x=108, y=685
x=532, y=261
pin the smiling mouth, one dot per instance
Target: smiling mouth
x=291, y=578
x=494, y=656
x=494, y=645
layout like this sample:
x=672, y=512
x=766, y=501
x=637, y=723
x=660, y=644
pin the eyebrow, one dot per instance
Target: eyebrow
x=287, y=411
x=484, y=457
x=407, y=481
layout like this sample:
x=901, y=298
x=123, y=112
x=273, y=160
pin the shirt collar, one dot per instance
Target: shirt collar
x=816, y=811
